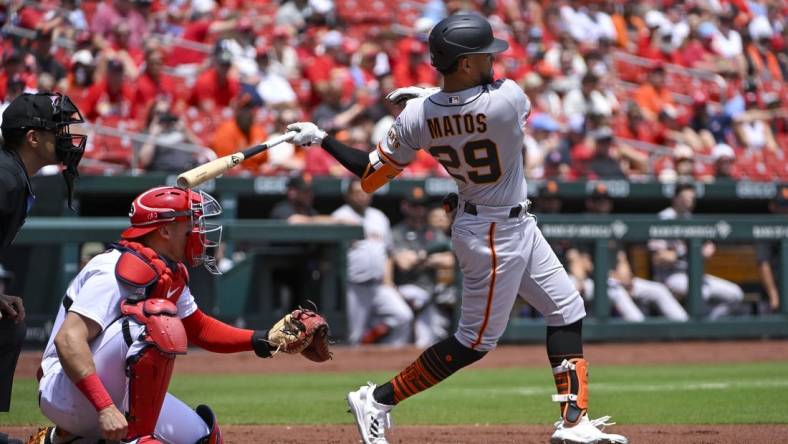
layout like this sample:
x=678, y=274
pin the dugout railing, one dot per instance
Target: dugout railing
x=54, y=260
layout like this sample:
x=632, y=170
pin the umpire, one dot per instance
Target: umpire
x=36, y=133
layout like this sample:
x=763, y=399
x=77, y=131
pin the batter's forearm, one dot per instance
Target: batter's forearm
x=354, y=160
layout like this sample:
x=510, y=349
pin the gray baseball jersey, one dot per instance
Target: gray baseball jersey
x=476, y=134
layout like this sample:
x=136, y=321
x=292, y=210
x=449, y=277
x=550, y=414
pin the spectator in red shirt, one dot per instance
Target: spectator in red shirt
x=412, y=68
x=110, y=14
x=111, y=99
x=636, y=127
x=13, y=66
x=121, y=48
x=152, y=83
x=217, y=86
x=80, y=77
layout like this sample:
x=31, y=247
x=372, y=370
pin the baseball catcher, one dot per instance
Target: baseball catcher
x=129, y=313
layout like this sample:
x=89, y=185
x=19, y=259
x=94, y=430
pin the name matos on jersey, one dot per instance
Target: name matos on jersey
x=476, y=134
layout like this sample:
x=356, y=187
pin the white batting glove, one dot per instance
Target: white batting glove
x=308, y=134
x=401, y=95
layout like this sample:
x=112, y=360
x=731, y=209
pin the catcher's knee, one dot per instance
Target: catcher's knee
x=214, y=435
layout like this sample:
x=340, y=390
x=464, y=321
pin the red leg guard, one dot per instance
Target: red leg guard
x=149, y=376
x=215, y=435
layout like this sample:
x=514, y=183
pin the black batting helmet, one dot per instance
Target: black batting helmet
x=459, y=35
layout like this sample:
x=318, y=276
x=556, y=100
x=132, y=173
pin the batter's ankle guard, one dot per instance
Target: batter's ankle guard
x=571, y=381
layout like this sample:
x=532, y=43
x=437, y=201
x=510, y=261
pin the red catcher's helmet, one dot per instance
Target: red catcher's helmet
x=163, y=205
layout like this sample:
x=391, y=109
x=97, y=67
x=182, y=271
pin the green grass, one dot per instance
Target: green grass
x=691, y=394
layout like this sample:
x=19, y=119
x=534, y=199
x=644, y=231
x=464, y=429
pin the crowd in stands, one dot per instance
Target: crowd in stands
x=636, y=89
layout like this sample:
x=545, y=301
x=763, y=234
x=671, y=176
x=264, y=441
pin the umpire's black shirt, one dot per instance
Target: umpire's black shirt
x=16, y=196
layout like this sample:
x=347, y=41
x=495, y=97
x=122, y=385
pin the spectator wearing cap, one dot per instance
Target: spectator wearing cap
x=630, y=295
x=548, y=200
x=241, y=131
x=36, y=133
x=540, y=142
x=217, y=86
x=768, y=254
x=604, y=163
x=420, y=252
x=724, y=162
x=670, y=266
x=543, y=99
x=653, y=95
x=299, y=208
x=110, y=15
x=111, y=99
x=329, y=65
x=80, y=77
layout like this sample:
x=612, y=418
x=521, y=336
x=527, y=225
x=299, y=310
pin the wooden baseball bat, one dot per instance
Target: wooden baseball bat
x=215, y=168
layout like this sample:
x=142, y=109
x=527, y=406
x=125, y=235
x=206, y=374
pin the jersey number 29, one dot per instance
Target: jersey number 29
x=481, y=158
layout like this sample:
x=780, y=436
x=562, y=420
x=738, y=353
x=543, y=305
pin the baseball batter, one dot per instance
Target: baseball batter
x=474, y=126
x=124, y=319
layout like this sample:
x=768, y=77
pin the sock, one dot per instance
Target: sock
x=564, y=342
x=433, y=366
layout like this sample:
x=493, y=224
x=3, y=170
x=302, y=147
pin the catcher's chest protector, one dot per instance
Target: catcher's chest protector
x=140, y=267
x=150, y=370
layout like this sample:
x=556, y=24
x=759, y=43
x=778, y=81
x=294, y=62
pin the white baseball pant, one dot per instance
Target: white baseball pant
x=642, y=291
x=500, y=258
x=431, y=324
x=724, y=295
x=372, y=303
x=63, y=403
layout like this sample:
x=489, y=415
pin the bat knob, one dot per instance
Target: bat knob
x=183, y=182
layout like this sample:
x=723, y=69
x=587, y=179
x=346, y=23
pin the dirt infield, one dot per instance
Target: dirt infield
x=489, y=434
x=372, y=359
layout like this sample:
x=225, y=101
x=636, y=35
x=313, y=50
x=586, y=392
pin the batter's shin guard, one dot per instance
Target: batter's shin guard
x=571, y=381
x=214, y=435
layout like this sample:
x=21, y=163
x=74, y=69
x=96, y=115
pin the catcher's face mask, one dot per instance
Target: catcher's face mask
x=204, y=238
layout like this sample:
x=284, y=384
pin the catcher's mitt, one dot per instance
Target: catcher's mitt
x=297, y=331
